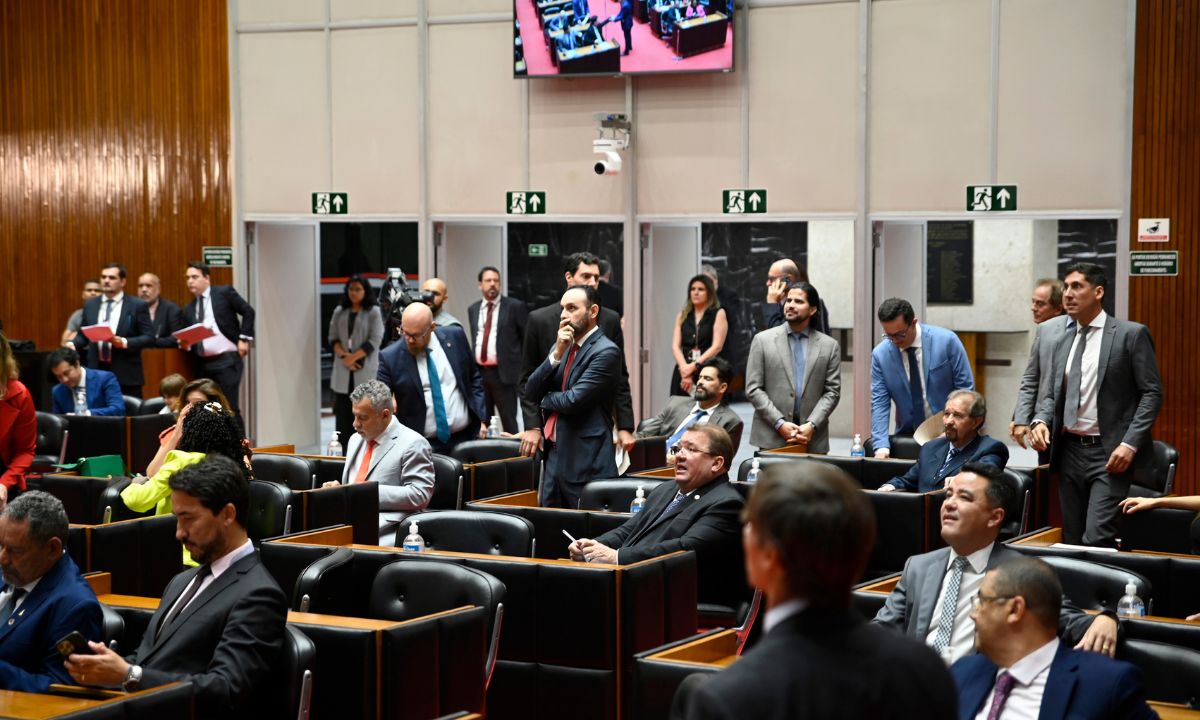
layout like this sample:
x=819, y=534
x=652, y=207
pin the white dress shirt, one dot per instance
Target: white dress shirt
x=1030, y=672
x=79, y=393
x=218, y=343
x=6, y=595
x=962, y=635
x=1088, y=419
x=118, y=301
x=781, y=612
x=217, y=567
x=452, y=397
x=554, y=361
x=491, y=341
x=920, y=366
x=702, y=420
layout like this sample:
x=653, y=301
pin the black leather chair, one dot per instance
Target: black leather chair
x=294, y=472
x=113, y=625
x=1162, y=478
x=113, y=508
x=614, y=495
x=312, y=578
x=293, y=680
x=1095, y=586
x=447, y=483
x=1016, y=522
x=152, y=406
x=408, y=589
x=51, y=448
x=486, y=450
x=272, y=507
x=133, y=405
x=903, y=447
x=766, y=461
x=486, y=533
x=1171, y=673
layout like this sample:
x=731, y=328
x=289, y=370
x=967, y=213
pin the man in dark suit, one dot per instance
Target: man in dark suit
x=219, y=626
x=165, y=316
x=611, y=296
x=1047, y=310
x=439, y=394
x=807, y=538
x=81, y=391
x=1100, y=413
x=541, y=332
x=44, y=598
x=698, y=512
x=625, y=15
x=961, y=443
x=709, y=407
x=230, y=317
x=1023, y=670
x=574, y=388
x=129, y=321
x=977, y=501
x=497, y=325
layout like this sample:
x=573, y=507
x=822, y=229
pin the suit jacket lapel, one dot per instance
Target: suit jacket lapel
x=1106, y=342
x=654, y=508
x=783, y=350
x=165, y=607
x=50, y=581
x=1060, y=683
x=413, y=374
x=584, y=350
x=387, y=440
x=930, y=589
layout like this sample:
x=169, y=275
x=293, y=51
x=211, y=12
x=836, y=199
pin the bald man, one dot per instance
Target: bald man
x=437, y=288
x=165, y=316
x=438, y=390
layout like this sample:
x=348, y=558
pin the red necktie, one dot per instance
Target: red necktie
x=552, y=422
x=365, y=465
x=487, y=330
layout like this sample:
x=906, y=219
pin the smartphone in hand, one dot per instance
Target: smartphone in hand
x=73, y=644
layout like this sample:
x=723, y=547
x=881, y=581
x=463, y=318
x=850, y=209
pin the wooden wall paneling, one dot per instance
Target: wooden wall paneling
x=1166, y=183
x=114, y=146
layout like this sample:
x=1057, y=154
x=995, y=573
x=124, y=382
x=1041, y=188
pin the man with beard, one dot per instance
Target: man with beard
x=793, y=377
x=497, y=333
x=681, y=413
x=165, y=316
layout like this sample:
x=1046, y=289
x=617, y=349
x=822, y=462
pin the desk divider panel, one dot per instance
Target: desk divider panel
x=499, y=477
x=142, y=555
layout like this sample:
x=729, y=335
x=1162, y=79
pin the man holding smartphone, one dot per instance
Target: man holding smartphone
x=44, y=598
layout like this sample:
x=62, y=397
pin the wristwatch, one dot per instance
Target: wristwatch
x=133, y=679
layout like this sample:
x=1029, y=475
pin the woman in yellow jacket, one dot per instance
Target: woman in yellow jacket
x=202, y=428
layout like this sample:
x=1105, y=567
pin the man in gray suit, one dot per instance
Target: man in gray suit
x=709, y=407
x=382, y=450
x=1050, y=318
x=793, y=377
x=932, y=601
x=1098, y=408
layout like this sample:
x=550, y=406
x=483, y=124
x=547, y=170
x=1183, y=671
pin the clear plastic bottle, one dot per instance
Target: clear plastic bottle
x=1130, y=605
x=755, y=471
x=494, y=427
x=639, y=501
x=413, y=542
x=334, y=448
x=856, y=448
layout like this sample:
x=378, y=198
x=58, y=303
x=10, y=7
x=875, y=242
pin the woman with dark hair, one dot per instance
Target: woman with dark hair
x=699, y=335
x=18, y=426
x=202, y=428
x=355, y=332
x=200, y=390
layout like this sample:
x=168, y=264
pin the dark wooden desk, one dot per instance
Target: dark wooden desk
x=43, y=706
x=604, y=57
x=697, y=35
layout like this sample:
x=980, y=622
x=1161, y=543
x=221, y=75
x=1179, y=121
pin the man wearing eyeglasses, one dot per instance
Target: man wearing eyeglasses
x=914, y=367
x=698, y=512
x=932, y=601
x=1023, y=670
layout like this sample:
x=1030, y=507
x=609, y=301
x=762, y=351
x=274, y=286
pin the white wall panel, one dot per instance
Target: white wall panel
x=340, y=10
x=284, y=140
x=255, y=12
x=443, y=8
x=375, y=134
x=831, y=267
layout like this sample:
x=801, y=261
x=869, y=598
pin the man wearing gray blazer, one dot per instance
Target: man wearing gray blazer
x=1051, y=320
x=382, y=450
x=787, y=411
x=1099, y=408
x=708, y=407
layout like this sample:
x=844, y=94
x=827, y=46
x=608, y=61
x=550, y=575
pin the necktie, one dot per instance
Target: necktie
x=200, y=319
x=796, y=341
x=949, y=459
x=106, y=348
x=941, y=641
x=683, y=428
x=1074, y=379
x=205, y=571
x=365, y=466
x=487, y=331
x=916, y=391
x=1004, y=685
x=672, y=507
x=552, y=421
x=81, y=407
x=439, y=403
x=17, y=594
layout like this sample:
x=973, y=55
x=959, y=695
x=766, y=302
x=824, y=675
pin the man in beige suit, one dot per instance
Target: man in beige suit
x=788, y=410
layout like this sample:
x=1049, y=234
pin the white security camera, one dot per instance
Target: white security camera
x=611, y=164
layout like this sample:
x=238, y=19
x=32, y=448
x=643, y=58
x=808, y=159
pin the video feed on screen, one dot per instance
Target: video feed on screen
x=615, y=37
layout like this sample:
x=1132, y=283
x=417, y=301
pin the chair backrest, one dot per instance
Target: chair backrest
x=132, y=405
x=486, y=450
x=903, y=447
x=1016, y=521
x=112, y=624
x=50, y=432
x=152, y=406
x=93, y=435
x=291, y=697
x=110, y=499
x=1171, y=672
x=271, y=511
x=766, y=461
x=486, y=533
x=614, y=495
x=1166, y=459
x=1095, y=586
x=447, y=483
x=647, y=453
x=290, y=470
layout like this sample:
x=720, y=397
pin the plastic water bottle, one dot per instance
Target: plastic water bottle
x=856, y=448
x=494, y=427
x=1130, y=605
x=755, y=471
x=334, y=448
x=413, y=542
x=639, y=501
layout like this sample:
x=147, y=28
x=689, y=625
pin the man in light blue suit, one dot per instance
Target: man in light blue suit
x=83, y=391
x=915, y=367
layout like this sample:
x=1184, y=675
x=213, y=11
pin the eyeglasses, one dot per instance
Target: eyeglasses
x=897, y=336
x=678, y=448
x=979, y=598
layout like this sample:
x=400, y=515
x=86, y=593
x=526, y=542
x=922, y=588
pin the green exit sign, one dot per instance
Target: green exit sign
x=991, y=198
x=744, y=202
x=539, y=250
x=526, y=202
x=330, y=203
x=217, y=255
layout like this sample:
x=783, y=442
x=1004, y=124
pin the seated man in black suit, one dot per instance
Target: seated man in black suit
x=809, y=531
x=699, y=512
x=219, y=626
x=941, y=458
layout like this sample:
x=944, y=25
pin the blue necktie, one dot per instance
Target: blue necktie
x=796, y=341
x=683, y=428
x=13, y=599
x=672, y=507
x=916, y=391
x=439, y=405
x=949, y=459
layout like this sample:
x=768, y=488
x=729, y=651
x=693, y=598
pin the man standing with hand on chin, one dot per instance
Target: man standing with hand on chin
x=575, y=387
